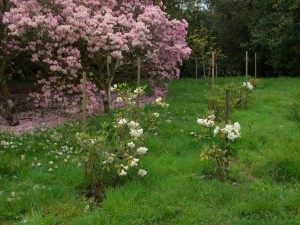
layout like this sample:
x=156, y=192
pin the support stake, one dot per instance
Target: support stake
x=213, y=74
x=84, y=119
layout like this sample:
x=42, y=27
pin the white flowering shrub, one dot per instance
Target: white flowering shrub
x=248, y=85
x=219, y=139
x=117, y=149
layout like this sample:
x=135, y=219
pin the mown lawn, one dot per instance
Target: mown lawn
x=179, y=189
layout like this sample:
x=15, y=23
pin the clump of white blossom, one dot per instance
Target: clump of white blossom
x=207, y=122
x=248, y=85
x=231, y=132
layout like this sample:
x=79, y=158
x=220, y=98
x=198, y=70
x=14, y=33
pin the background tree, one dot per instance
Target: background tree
x=100, y=38
x=275, y=34
x=8, y=51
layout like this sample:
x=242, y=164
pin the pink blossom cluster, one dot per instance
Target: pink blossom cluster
x=71, y=36
x=159, y=91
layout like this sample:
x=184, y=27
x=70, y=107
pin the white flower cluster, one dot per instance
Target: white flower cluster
x=156, y=114
x=114, y=88
x=135, y=132
x=119, y=99
x=208, y=122
x=232, y=132
x=138, y=91
x=248, y=85
x=160, y=102
x=123, y=170
x=10, y=145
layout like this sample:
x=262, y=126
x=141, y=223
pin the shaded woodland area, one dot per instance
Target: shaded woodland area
x=230, y=27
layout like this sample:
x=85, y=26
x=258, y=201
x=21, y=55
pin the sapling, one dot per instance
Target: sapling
x=219, y=143
x=117, y=149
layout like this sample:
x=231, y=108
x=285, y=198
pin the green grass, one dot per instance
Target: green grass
x=179, y=188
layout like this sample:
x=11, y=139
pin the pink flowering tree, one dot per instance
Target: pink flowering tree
x=99, y=37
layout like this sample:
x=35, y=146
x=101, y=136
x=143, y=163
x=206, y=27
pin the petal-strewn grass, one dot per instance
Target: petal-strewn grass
x=178, y=188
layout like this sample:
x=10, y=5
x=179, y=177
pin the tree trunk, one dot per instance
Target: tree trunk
x=105, y=100
x=108, y=86
x=109, y=93
x=12, y=118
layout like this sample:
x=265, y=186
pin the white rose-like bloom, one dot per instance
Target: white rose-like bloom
x=114, y=88
x=158, y=100
x=133, y=124
x=156, y=114
x=212, y=117
x=216, y=130
x=210, y=123
x=131, y=145
x=136, y=133
x=142, y=150
x=236, y=127
x=123, y=173
x=119, y=99
x=134, y=162
x=122, y=122
x=206, y=122
x=124, y=167
x=142, y=172
x=110, y=159
x=200, y=121
x=232, y=131
x=228, y=128
x=232, y=136
x=139, y=91
x=250, y=87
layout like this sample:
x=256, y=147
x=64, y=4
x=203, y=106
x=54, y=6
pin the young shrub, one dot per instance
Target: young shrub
x=219, y=143
x=117, y=149
x=217, y=103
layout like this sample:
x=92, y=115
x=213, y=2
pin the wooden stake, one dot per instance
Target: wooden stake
x=246, y=66
x=84, y=118
x=138, y=80
x=84, y=102
x=246, y=80
x=213, y=74
x=139, y=72
x=108, y=82
x=227, y=112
